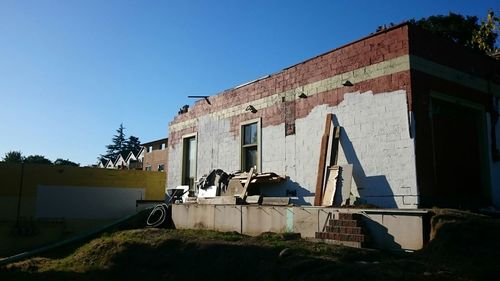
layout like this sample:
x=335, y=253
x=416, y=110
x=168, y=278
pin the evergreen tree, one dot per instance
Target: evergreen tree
x=121, y=145
x=117, y=146
x=132, y=144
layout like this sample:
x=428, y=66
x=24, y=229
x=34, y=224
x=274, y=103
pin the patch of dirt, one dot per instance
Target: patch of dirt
x=464, y=247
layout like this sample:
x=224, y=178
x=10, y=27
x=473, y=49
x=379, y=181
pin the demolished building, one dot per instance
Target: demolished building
x=418, y=117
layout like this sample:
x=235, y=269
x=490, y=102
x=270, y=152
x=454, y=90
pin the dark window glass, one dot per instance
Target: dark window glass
x=250, y=157
x=250, y=146
x=250, y=134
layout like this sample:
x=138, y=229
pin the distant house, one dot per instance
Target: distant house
x=155, y=155
x=110, y=164
x=129, y=161
x=134, y=160
x=140, y=154
x=101, y=163
x=130, y=158
x=120, y=163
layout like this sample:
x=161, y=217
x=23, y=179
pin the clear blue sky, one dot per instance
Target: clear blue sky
x=72, y=71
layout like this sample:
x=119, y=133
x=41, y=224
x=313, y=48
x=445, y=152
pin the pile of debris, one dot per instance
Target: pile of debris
x=219, y=187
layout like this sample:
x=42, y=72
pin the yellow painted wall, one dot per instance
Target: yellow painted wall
x=13, y=238
x=36, y=174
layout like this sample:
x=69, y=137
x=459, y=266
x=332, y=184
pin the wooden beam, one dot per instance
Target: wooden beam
x=245, y=188
x=318, y=196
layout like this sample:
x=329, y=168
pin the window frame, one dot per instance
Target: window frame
x=243, y=146
x=183, y=159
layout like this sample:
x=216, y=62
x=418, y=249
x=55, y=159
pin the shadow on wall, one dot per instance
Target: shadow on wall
x=289, y=188
x=372, y=189
x=380, y=236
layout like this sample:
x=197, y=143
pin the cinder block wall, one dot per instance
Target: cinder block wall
x=375, y=114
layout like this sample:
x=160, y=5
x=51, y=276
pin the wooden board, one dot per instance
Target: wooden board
x=331, y=186
x=344, y=183
x=318, y=195
x=247, y=183
x=234, y=188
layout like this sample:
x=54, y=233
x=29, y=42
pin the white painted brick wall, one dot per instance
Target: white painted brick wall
x=174, y=165
x=273, y=149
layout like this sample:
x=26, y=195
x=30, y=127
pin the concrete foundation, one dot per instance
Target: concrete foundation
x=388, y=229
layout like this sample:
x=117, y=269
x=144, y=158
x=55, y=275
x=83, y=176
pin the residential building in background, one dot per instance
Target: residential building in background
x=120, y=163
x=155, y=155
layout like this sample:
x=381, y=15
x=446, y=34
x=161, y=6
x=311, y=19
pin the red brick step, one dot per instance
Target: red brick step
x=346, y=230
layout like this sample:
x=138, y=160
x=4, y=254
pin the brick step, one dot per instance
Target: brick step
x=347, y=223
x=341, y=236
x=343, y=243
x=349, y=216
x=344, y=229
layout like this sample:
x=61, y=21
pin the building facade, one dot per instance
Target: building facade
x=419, y=118
x=155, y=155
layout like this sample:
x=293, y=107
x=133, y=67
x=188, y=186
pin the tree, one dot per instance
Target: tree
x=121, y=145
x=37, y=159
x=117, y=146
x=62, y=162
x=463, y=30
x=13, y=157
x=486, y=36
x=133, y=144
